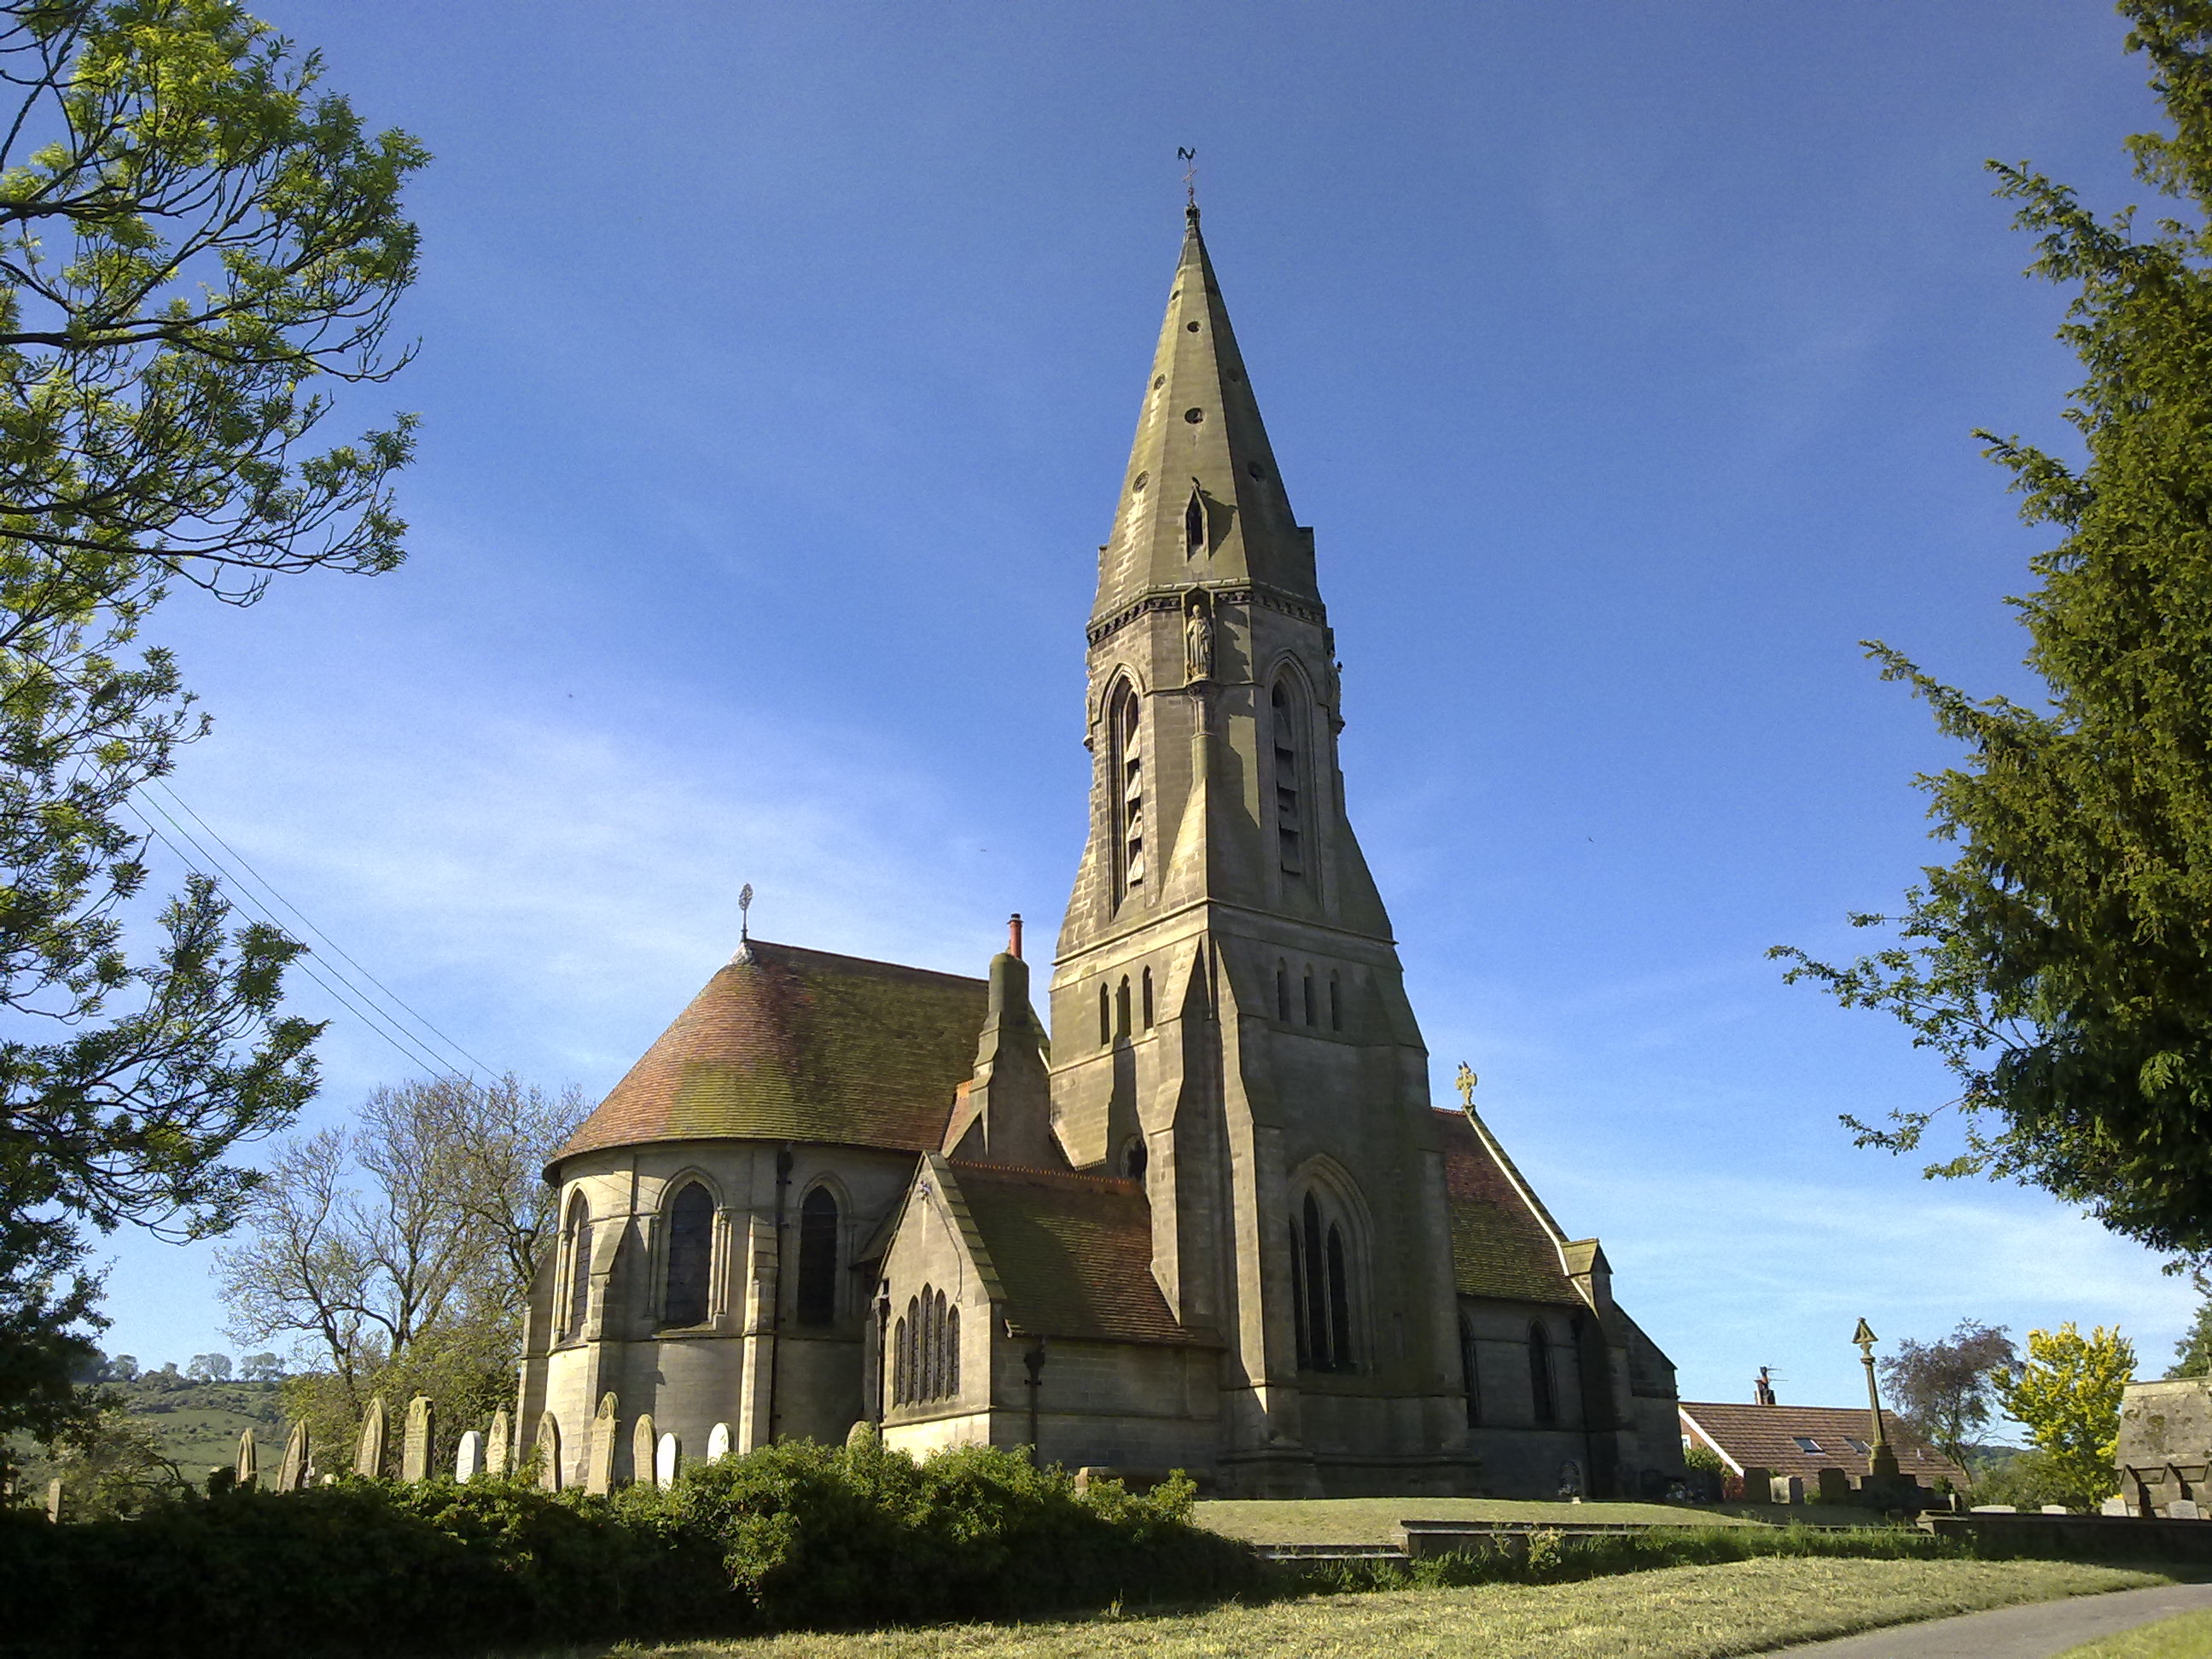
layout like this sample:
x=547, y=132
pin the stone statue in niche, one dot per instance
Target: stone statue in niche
x=1197, y=640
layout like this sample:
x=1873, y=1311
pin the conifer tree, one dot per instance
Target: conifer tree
x=2061, y=965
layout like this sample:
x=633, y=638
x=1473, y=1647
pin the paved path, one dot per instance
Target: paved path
x=2035, y=1630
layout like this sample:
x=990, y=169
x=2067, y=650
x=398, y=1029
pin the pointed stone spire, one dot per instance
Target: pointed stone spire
x=1201, y=503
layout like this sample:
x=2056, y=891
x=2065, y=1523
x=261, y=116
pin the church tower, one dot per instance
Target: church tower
x=1228, y=1022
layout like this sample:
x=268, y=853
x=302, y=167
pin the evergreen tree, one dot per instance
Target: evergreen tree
x=2192, y=1355
x=2061, y=963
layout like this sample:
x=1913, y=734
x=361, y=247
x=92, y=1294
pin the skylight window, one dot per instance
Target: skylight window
x=1857, y=1445
x=1806, y=1442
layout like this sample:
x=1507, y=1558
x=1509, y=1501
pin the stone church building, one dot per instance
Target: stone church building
x=1212, y=1221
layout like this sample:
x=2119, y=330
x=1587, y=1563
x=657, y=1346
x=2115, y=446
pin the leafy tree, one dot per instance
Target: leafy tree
x=2068, y=1396
x=195, y=240
x=208, y=1368
x=261, y=1367
x=2061, y=965
x=1948, y=1392
x=123, y=1367
x=400, y=1253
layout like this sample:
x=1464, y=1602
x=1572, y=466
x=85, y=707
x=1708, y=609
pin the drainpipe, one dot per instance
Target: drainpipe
x=1034, y=1359
x=775, y=1308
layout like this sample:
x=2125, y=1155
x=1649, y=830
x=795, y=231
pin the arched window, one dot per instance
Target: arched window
x=1134, y=1158
x=1105, y=1015
x=1121, y=1008
x=1310, y=996
x=577, y=1249
x=1540, y=1375
x=818, y=1258
x=1193, y=524
x=1288, y=727
x=1148, y=999
x=951, y=1352
x=1282, y=993
x=1320, y=1289
x=1126, y=754
x=1335, y=1002
x=900, y=1341
x=927, y=1345
x=690, y=1256
x=1470, y=1371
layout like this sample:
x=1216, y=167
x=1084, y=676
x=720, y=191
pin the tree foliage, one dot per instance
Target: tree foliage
x=2192, y=1355
x=196, y=241
x=1948, y=1391
x=2061, y=963
x=2068, y=1396
x=399, y=1253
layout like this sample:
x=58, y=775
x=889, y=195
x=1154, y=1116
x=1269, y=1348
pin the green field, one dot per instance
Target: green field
x=1675, y=1613
x=2188, y=1637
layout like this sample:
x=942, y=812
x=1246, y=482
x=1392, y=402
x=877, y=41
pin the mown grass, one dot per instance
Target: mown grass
x=2188, y=1637
x=1375, y=1519
x=1674, y=1613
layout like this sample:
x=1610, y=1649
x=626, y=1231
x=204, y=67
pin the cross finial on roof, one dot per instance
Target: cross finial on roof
x=1190, y=159
x=1465, y=1081
x=745, y=912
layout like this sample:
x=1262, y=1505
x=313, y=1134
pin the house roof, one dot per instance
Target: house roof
x=1072, y=1253
x=791, y=1045
x=1765, y=1436
x=1503, y=1243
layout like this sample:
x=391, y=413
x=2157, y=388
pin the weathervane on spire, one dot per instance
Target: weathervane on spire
x=1190, y=158
x=745, y=912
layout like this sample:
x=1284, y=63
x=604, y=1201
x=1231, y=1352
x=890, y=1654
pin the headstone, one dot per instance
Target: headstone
x=249, y=1458
x=2183, y=1509
x=468, y=1461
x=292, y=1472
x=2057, y=1509
x=600, y=1455
x=54, y=1499
x=862, y=1436
x=1995, y=1509
x=718, y=1442
x=1789, y=1488
x=547, y=1450
x=414, y=1449
x=667, y=1460
x=2116, y=1506
x=644, y=1438
x=499, y=1446
x=1835, y=1486
x=1758, y=1483
x=368, y=1449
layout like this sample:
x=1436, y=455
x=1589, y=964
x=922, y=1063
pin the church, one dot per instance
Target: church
x=1208, y=1219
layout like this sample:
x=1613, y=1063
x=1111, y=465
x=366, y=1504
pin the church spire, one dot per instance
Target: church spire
x=1202, y=503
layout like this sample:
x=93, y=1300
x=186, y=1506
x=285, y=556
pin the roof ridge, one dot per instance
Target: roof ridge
x=1025, y=1171
x=757, y=944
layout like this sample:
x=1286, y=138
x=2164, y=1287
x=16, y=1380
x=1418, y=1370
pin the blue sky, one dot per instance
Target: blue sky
x=778, y=365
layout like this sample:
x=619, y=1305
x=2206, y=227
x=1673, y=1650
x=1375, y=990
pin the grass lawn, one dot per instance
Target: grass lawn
x=1375, y=1519
x=2188, y=1637
x=1674, y=1613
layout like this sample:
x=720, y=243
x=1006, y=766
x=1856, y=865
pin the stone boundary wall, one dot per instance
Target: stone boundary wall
x=2079, y=1534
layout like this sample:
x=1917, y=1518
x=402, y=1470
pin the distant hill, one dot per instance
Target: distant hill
x=198, y=1423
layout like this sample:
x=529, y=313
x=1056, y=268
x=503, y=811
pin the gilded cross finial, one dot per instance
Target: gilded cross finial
x=1465, y=1081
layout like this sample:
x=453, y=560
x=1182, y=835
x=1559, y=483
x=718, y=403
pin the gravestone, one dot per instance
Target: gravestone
x=1758, y=1483
x=292, y=1472
x=667, y=1460
x=2116, y=1506
x=863, y=1436
x=1995, y=1509
x=368, y=1449
x=248, y=1467
x=547, y=1450
x=1835, y=1486
x=415, y=1449
x=54, y=1499
x=499, y=1446
x=718, y=1442
x=2184, y=1509
x=599, y=1454
x=2057, y=1509
x=643, y=1437
x=468, y=1459
x=1789, y=1488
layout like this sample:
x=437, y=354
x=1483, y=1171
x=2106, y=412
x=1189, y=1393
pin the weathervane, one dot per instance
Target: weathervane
x=1189, y=157
x=745, y=912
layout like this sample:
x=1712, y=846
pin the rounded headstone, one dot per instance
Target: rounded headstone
x=468, y=1462
x=718, y=1442
x=667, y=1458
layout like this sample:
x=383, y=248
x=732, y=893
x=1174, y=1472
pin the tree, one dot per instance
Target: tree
x=123, y=1367
x=208, y=1368
x=261, y=1368
x=400, y=1253
x=195, y=240
x=1948, y=1392
x=2068, y=1396
x=2192, y=1355
x=2061, y=965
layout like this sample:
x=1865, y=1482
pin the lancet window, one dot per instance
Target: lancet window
x=1194, y=526
x=1125, y=725
x=1335, y=1001
x=1121, y=1008
x=1320, y=1277
x=1310, y=996
x=1105, y=1016
x=1148, y=999
x=690, y=1256
x=1288, y=723
x=926, y=1349
x=818, y=1258
x=1541, y=1390
x=1469, y=1372
x=576, y=1251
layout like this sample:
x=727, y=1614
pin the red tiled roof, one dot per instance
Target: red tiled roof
x=1072, y=1253
x=1500, y=1247
x=1764, y=1436
x=791, y=1045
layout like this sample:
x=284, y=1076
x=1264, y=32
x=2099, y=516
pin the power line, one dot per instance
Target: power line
x=360, y=1003
x=306, y=921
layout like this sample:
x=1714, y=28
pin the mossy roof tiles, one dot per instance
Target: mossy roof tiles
x=1072, y=1253
x=1765, y=1436
x=1500, y=1246
x=791, y=1045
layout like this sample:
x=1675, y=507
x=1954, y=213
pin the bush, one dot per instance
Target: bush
x=795, y=1535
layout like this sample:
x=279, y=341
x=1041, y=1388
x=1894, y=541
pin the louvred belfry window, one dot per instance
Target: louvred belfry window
x=1193, y=524
x=1129, y=783
x=1288, y=722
